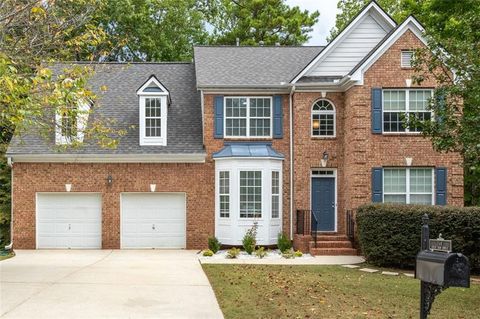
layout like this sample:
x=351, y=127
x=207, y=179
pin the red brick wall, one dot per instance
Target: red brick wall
x=196, y=180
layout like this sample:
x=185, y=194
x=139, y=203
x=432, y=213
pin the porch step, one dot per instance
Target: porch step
x=331, y=238
x=333, y=251
x=331, y=244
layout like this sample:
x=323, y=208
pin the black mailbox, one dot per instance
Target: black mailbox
x=443, y=269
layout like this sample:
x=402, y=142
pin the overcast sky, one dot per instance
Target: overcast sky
x=326, y=21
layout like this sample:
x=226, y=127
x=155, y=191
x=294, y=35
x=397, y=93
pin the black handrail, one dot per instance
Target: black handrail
x=307, y=223
x=350, y=219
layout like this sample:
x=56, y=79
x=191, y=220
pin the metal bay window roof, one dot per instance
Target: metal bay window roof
x=248, y=150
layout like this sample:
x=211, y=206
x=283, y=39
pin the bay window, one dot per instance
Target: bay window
x=224, y=193
x=250, y=194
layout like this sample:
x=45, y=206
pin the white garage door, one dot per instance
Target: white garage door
x=153, y=220
x=69, y=220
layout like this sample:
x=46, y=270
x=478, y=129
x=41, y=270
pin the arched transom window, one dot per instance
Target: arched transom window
x=323, y=118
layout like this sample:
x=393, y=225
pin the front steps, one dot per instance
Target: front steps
x=333, y=245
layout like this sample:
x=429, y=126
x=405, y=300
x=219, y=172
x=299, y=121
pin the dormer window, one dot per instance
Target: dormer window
x=153, y=102
x=71, y=122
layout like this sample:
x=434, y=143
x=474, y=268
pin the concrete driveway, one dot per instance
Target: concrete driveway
x=105, y=284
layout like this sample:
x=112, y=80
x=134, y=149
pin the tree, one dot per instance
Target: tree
x=452, y=32
x=253, y=21
x=151, y=30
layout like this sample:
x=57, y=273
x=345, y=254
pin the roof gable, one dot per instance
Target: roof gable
x=342, y=54
x=152, y=87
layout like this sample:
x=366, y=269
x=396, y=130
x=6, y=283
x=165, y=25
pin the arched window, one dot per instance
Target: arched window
x=323, y=118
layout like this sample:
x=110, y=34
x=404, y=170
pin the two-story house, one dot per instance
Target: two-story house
x=288, y=137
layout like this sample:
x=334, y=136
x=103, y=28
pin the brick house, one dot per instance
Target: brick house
x=214, y=143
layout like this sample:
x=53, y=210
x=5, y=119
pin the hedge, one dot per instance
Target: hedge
x=389, y=234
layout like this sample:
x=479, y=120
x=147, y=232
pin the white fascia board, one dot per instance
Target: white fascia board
x=108, y=158
x=372, y=6
x=409, y=24
x=153, y=79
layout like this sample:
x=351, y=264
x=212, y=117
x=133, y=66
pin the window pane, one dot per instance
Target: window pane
x=275, y=194
x=224, y=191
x=250, y=194
x=153, y=122
x=394, y=100
x=419, y=99
x=420, y=180
x=393, y=122
x=395, y=181
x=401, y=199
x=235, y=115
x=260, y=117
x=421, y=199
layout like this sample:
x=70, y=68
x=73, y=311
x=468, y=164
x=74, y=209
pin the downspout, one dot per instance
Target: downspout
x=290, y=100
x=10, y=163
x=202, y=105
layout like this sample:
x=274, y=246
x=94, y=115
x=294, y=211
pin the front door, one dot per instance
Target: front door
x=323, y=203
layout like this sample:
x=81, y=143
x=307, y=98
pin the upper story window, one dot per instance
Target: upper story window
x=153, y=102
x=408, y=185
x=399, y=105
x=323, y=119
x=71, y=122
x=248, y=117
x=406, y=59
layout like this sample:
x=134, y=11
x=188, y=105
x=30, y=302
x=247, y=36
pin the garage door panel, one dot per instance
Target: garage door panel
x=69, y=220
x=153, y=220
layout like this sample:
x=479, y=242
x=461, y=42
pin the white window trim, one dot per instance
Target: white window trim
x=275, y=195
x=247, y=117
x=82, y=120
x=401, y=59
x=334, y=112
x=407, y=109
x=153, y=140
x=407, y=185
x=220, y=194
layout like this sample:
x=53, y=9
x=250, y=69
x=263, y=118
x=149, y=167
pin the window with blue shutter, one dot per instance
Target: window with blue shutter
x=277, y=117
x=218, y=105
x=376, y=110
x=377, y=184
x=440, y=186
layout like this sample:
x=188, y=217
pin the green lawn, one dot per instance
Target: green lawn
x=260, y=291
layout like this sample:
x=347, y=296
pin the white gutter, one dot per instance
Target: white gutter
x=290, y=101
x=110, y=158
x=10, y=163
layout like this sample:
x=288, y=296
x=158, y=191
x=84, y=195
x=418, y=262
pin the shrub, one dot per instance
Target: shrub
x=283, y=242
x=213, y=244
x=289, y=254
x=260, y=252
x=389, y=235
x=298, y=253
x=208, y=253
x=250, y=239
x=233, y=253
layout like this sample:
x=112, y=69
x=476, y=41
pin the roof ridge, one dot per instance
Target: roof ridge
x=258, y=46
x=122, y=63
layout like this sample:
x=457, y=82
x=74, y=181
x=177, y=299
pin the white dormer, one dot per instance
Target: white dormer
x=70, y=123
x=153, y=101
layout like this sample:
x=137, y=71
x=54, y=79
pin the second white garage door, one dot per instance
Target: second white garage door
x=153, y=220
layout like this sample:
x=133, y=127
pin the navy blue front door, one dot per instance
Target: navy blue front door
x=323, y=203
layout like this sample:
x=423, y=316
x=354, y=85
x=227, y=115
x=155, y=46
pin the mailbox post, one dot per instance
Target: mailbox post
x=438, y=268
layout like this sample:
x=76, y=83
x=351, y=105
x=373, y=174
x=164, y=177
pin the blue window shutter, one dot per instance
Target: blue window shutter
x=377, y=184
x=277, y=116
x=376, y=110
x=218, y=130
x=441, y=186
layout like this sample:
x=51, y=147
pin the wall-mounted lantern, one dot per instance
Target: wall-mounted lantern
x=324, y=159
x=109, y=180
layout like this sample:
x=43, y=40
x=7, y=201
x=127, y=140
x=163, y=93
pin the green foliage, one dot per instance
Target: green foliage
x=208, y=253
x=252, y=21
x=233, y=253
x=260, y=252
x=283, y=242
x=249, y=240
x=389, y=235
x=298, y=253
x=214, y=244
x=289, y=254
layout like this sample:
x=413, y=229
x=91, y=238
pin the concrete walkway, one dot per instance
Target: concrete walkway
x=317, y=260
x=105, y=284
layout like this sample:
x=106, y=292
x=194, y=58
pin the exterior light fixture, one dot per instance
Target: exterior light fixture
x=68, y=187
x=324, y=159
x=109, y=180
x=316, y=124
x=408, y=82
x=408, y=161
x=153, y=187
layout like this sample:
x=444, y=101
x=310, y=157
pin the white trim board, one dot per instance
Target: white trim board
x=108, y=158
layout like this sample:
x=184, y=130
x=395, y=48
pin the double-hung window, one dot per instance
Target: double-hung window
x=408, y=185
x=153, y=117
x=69, y=123
x=401, y=105
x=250, y=194
x=224, y=193
x=248, y=117
x=275, y=194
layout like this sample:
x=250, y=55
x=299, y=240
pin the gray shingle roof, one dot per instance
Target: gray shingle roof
x=120, y=103
x=218, y=66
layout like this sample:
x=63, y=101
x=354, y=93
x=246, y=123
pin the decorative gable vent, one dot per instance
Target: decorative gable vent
x=153, y=108
x=406, y=59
